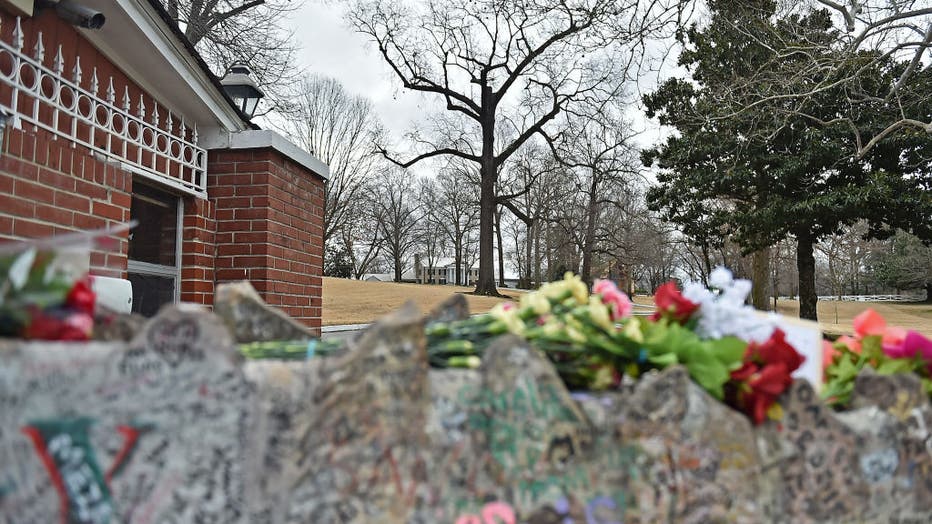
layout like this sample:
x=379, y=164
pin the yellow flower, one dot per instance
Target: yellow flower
x=535, y=302
x=632, y=330
x=604, y=378
x=600, y=314
x=577, y=287
x=552, y=328
x=503, y=310
x=575, y=335
x=555, y=290
x=507, y=313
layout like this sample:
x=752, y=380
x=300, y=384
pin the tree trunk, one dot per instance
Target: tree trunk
x=488, y=175
x=929, y=292
x=760, y=293
x=805, y=266
x=458, y=263
x=501, y=247
x=529, y=248
x=589, y=238
x=397, y=268
x=537, y=260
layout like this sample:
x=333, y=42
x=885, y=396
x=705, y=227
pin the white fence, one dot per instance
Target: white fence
x=163, y=150
x=873, y=298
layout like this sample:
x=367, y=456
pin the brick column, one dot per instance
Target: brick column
x=198, y=251
x=269, y=217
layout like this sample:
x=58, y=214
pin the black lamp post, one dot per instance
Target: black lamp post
x=240, y=86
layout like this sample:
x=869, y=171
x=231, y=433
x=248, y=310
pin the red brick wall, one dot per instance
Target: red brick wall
x=269, y=213
x=47, y=184
x=48, y=188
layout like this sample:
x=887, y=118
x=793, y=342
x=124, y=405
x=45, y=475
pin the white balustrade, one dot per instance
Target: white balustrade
x=47, y=97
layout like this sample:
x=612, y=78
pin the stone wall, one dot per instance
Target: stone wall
x=173, y=427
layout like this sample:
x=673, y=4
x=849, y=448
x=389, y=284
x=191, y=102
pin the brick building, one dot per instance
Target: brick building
x=126, y=122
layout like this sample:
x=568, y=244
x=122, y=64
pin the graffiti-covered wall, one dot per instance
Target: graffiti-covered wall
x=174, y=428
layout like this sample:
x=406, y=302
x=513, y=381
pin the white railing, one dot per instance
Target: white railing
x=42, y=96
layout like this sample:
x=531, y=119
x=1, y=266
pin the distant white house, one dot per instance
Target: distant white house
x=406, y=276
x=378, y=277
x=443, y=272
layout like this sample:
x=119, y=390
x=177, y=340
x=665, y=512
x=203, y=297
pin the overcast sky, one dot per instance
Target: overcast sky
x=329, y=47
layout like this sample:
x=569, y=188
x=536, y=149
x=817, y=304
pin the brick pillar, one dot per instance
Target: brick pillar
x=269, y=214
x=198, y=251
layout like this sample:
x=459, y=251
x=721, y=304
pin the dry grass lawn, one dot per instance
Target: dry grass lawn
x=835, y=316
x=354, y=302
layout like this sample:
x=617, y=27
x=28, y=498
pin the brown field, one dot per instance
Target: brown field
x=354, y=302
x=835, y=316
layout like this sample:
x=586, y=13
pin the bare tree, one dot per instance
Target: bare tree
x=456, y=214
x=430, y=231
x=598, y=151
x=339, y=129
x=249, y=31
x=361, y=236
x=396, y=216
x=507, y=67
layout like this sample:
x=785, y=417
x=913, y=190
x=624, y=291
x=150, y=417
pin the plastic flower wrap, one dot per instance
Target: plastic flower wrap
x=46, y=294
x=45, y=290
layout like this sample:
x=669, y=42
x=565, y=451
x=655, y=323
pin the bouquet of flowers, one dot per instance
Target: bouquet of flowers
x=886, y=349
x=45, y=294
x=593, y=339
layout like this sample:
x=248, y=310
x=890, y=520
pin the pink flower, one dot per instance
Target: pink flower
x=617, y=301
x=906, y=344
x=852, y=343
x=922, y=344
x=828, y=354
x=892, y=343
x=869, y=322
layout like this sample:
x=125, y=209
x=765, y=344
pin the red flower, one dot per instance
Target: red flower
x=776, y=351
x=764, y=375
x=81, y=297
x=58, y=325
x=671, y=304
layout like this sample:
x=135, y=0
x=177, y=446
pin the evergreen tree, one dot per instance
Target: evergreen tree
x=736, y=169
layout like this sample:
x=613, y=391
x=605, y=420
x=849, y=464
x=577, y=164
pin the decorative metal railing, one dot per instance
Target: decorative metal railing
x=40, y=95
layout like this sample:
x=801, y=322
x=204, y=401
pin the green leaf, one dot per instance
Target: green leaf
x=895, y=365
x=709, y=373
x=663, y=360
x=845, y=370
x=729, y=351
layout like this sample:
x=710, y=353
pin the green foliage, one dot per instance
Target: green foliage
x=760, y=171
x=906, y=265
x=710, y=362
x=337, y=262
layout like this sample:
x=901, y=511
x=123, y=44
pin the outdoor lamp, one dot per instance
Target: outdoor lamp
x=240, y=86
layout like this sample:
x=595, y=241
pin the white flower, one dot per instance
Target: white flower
x=720, y=278
x=725, y=313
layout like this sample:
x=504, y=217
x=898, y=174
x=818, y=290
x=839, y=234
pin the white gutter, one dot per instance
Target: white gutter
x=171, y=50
